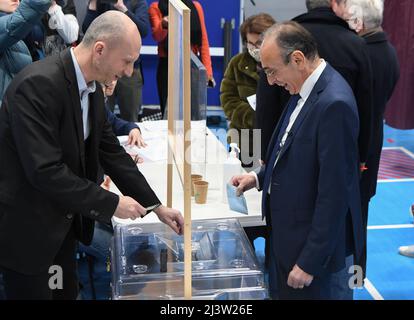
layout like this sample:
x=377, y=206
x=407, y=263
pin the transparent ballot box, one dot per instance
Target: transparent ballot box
x=148, y=262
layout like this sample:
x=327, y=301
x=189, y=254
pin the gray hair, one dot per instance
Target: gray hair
x=313, y=4
x=369, y=11
x=291, y=36
x=109, y=27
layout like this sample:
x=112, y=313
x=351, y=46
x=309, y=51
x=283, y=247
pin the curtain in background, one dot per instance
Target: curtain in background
x=399, y=25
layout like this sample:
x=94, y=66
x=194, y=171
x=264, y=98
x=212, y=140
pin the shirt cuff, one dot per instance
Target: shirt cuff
x=254, y=174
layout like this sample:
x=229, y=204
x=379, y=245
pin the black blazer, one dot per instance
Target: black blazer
x=348, y=54
x=47, y=177
x=386, y=72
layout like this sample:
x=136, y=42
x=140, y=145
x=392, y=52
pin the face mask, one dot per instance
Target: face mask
x=255, y=53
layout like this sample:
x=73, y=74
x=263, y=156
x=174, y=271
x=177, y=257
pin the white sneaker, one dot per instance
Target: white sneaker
x=407, y=251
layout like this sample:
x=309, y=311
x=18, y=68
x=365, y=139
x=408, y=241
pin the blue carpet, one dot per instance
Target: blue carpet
x=362, y=294
x=390, y=273
x=391, y=203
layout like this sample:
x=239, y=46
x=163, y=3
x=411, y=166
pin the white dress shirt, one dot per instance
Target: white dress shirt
x=84, y=91
x=304, y=93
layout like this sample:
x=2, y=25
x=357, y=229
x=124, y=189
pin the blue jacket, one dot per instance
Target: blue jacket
x=137, y=11
x=314, y=205
x=14, y=55
x=119, y=126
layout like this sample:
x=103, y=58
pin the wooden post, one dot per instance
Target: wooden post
x=180, y=150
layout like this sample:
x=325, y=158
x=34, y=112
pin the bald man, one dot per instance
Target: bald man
x=53, y=136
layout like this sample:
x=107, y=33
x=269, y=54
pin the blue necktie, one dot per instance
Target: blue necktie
x=293, y=101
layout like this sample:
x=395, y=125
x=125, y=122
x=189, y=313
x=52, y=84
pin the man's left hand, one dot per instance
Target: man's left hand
x=135, y=138
x=120, y=5
x=299, y=278
x=171, y=217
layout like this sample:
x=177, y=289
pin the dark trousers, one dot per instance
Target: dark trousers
x=362, y=262
x=128, y=94
x=162, y=82
x=320, y=288
x=36, y=287
x=255, y=232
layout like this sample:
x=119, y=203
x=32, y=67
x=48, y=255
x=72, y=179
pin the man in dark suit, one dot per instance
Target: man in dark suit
x=53, y=135
x=347, y=53
x=365, y=17
x=311, y=178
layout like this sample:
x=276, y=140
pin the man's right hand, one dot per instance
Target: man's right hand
x=128, y=208
x=92, y=5
x=164, y=22
x=243, y=183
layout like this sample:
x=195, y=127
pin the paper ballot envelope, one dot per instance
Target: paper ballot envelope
x=236, y=203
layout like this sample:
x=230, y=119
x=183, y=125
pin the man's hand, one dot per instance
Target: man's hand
x=211, y=83
x=135, y=138
x=243, y=183
x=109, y=88
x=120, y=5
x=164, y=22
x=128, y=208
x=362, y=167
x=299, y=278
x=92, y=5
x=107, y=183
x=171, y=217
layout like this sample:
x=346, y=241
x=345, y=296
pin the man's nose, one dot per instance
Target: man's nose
x=271, y=80
x=129, y=70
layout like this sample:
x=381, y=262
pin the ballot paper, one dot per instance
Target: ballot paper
x=252, y=101
x=236, y=203
x=156, y=149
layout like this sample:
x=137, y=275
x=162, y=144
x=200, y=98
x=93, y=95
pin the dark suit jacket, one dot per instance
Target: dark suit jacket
x=386, y=72
x=315, y=183
x=47, y=176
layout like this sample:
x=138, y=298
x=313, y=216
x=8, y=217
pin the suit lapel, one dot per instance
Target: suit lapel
x=275, y=134
x=313, y=97
x=95, y=119
x=70, y=75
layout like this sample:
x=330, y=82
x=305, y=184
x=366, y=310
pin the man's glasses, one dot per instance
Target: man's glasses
x=272, y=72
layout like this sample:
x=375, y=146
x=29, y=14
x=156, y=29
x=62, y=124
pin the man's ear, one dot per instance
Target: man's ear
x=298, y=58
x=99, y=47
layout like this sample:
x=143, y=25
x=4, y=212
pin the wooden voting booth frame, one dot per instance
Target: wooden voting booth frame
x=179, y=120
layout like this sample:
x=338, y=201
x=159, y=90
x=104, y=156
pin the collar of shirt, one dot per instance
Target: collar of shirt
x=310, y=82
x=82, y=86
x=304, y=93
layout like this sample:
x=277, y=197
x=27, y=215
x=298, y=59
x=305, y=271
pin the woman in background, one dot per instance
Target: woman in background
x=158, y=13
x=239, y=84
